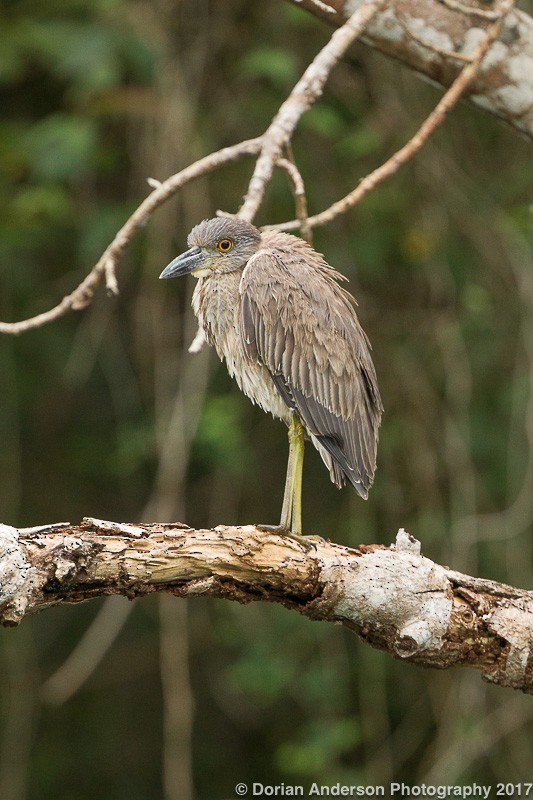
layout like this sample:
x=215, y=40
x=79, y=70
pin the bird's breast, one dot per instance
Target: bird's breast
x=217, y=305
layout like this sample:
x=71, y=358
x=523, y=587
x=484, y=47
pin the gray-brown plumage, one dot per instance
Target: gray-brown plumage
x=274, y=310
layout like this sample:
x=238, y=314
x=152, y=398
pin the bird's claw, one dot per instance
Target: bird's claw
x=307, y=542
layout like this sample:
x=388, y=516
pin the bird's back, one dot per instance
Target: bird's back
x=301, y=325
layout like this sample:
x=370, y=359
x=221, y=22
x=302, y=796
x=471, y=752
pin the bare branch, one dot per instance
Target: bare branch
x=298, y=190
x=473, y=11
x=321, y=6
x=442, y=51
x=305, y=93
x=430, y=124
x=272, y=147
x=503, y=86
x=83, y=294
x=110, y=277
x=393, y=598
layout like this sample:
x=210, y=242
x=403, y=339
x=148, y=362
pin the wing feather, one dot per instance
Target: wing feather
x=302, y=326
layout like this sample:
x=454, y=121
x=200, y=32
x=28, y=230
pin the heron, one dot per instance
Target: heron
x=276, y=313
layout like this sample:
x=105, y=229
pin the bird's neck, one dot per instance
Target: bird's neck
x=215, y=302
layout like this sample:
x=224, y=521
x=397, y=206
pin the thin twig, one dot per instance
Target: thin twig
x=298, y=190
x=441, y=51
x=305, y=93
x=320, y=5
x=83, y=294
x=402, y=156
x=111, y=277
x=473, y=11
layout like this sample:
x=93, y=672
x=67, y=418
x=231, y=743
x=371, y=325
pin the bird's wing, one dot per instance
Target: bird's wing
x=302, y=326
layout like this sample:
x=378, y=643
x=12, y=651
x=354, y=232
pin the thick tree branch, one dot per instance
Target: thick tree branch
x=425, y=34
x=391, y=597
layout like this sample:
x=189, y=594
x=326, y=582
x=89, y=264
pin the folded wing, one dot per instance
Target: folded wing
x=301, y=325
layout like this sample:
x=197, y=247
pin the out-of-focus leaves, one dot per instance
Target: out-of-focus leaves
x=276, y=64
x=85, y=54
x=42, y=204
x=61, y=147
x=98, y=228
x=220, y=438
x=359, y=142
x=319, y=745
x=325, y=120
x=476, y=300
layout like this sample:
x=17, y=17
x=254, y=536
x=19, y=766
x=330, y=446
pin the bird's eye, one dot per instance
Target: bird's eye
x=224, y=245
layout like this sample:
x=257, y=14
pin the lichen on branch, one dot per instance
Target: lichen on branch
x=393, y=597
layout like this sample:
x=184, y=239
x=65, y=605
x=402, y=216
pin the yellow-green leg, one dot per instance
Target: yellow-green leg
x=291, y=513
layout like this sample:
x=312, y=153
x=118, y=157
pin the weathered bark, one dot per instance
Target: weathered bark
x=391, y=597
x=504, y=84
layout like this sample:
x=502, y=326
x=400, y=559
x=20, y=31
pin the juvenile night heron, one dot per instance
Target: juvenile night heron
x=273, y=308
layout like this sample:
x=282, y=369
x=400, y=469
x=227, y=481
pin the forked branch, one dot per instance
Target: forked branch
x=418, y=140
x=272, y=148
x=431, y=36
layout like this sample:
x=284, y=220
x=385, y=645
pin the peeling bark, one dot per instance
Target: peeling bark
x=393, y=598
x=504, y=84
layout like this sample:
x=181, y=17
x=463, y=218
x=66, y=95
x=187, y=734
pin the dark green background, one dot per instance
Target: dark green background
x=104, y=412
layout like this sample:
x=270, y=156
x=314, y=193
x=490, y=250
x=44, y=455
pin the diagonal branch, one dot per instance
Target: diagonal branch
x=305, y=93
x=83, y=294
x=273, y=146
x=503, y=86
x=411, y=148
x=393, y=598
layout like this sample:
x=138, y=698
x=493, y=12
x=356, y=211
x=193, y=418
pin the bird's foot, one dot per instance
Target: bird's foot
x=307, y=542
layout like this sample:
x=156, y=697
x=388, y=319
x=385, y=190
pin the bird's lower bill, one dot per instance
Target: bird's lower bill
x=192, y=260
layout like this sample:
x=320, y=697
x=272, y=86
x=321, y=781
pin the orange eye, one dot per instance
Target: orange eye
x=224, y=245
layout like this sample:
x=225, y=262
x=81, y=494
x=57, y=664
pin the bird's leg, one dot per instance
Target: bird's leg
x=294, y=480
x=296, y=448
x=286, y=510
x=291, y=512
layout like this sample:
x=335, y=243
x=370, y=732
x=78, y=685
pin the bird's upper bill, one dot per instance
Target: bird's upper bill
x=190, y=261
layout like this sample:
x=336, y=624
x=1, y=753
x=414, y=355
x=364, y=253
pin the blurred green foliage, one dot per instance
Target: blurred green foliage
x=96, y=98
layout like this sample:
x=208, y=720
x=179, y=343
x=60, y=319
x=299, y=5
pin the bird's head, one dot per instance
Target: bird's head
x=216, y=246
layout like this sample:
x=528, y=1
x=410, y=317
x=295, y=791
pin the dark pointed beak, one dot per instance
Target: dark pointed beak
x=189, y=261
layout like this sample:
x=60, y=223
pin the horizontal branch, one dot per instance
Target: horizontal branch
x=393, y=598
x=427, y=35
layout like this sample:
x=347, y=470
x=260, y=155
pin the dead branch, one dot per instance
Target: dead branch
x=83, y=294
x=273, y=148
x=299, y=193
x=504, y=84
x=393, y=598
x=416, y=142
x=305, y=93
